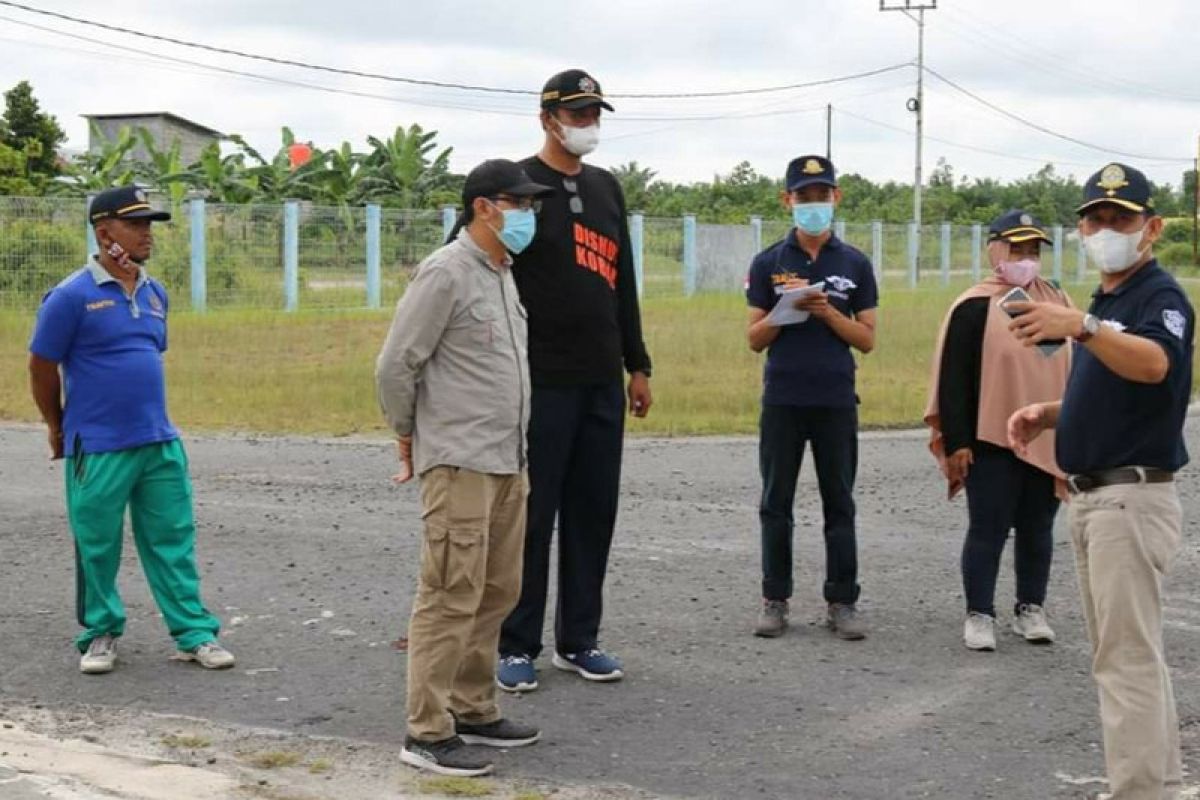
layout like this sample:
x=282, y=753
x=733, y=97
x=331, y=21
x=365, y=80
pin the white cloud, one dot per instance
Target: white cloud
x=1107, y=73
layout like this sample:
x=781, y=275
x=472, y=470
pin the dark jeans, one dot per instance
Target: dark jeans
x=783, y=433
x=1003, y=493
x=575, y=439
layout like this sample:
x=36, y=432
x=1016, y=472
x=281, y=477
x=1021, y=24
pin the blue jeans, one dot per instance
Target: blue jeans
x=1005, y=493
x=784, y=431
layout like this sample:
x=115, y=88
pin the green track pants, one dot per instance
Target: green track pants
x=152, y=481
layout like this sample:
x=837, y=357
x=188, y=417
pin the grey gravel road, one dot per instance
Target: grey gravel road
x=310, y=555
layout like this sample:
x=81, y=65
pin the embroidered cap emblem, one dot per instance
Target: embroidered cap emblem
x=587, y=85
x=812, y=167
x=1112, y=178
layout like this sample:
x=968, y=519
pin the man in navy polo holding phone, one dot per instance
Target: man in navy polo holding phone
x=105, y=328
x=1119, y=438
x=808, y=394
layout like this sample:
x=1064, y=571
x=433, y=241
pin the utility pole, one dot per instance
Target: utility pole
x=829, y=131
x=916, y=104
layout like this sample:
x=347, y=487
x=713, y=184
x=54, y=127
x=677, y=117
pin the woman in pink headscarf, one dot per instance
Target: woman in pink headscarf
x=981, y=375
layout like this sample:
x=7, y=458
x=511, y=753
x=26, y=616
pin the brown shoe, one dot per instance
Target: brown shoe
x=773, y=619
x=845, y=621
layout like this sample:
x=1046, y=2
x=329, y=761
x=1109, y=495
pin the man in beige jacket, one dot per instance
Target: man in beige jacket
x=453, y=382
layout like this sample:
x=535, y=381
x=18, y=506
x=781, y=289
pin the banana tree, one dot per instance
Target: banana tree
x=163, y=168
x=104, y=167
x=277, y=180
x=222, y=178
x=401, y=169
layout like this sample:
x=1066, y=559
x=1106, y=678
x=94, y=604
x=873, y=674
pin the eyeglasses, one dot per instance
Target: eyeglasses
x=523, y=203
x=576, y=202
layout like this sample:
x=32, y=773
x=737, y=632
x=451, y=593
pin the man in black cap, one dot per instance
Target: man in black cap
x=1120, y=440
x=453, y=383
x=578, y=284
x=105, y=328
x=808, y=393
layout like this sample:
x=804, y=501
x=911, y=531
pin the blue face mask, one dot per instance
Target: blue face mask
x=813, y=218
x=519, y=227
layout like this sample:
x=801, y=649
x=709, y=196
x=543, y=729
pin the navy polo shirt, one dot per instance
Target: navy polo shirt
x=109, y=346
x=808, y=364
x=1107, y=421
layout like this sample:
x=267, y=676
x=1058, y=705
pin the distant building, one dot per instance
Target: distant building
x=163, y=126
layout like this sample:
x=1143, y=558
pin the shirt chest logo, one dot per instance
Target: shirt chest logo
x=840, y=283
x=99, y=305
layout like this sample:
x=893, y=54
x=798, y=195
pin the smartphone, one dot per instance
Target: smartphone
x=1018, y=295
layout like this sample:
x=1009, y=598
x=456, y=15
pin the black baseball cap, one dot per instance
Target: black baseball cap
x=1017, y=226
x=500, y=176
x=1120, y=185
x=807, y=170
x=124, y=202
x=573, y=89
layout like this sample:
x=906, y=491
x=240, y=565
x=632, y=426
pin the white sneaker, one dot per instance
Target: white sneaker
x=209, y=655
x=101, y=656
x=979, y=632
x=1030, y=622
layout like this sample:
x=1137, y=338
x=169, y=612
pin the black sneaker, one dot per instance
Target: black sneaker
x=446, y=757
x=501, y=733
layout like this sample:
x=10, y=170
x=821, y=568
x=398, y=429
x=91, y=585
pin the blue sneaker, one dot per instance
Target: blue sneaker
x=594, y=665
x=515, y=674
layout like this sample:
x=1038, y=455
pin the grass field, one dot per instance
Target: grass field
x=312, y=372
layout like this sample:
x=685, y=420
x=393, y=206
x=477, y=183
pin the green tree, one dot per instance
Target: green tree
x=275, y=177
x=635, y=183
x=13, y=173
x=403, y=170
x=101, y=168
x=25, y=127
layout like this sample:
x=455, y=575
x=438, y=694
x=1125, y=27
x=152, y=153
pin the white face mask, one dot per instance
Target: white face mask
x=579, y=141
x=1113, y=252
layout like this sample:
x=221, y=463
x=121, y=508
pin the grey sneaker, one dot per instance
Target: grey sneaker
x=1031, y=623
x=101, y=656
x=447, y=757
x=845, y=621
x=773, y=619
x=209, y=655
x=501, y=733
x=979, y=632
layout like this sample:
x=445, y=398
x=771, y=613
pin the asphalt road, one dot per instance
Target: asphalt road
x=310, y=555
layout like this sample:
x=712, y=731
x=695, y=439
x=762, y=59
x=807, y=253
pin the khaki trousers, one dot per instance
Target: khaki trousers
x=470, y=580
x=1125, y=539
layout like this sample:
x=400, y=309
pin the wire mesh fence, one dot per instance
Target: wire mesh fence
x=297, y=255
x=42, y=241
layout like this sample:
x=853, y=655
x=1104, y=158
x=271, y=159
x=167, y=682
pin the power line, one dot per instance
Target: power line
x=1042, y=60
x=960, y=145
x=763, y=90
x=425, y=82
x=126, y=55
x=1043, y=129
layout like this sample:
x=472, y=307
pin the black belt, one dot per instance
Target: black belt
x=1113, y=477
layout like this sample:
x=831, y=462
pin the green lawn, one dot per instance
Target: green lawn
x=312, y=372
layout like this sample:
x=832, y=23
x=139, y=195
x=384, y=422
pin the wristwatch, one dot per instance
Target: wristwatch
x=1091, y=326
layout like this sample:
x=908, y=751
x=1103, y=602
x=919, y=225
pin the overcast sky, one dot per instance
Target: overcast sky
x=1118, y=75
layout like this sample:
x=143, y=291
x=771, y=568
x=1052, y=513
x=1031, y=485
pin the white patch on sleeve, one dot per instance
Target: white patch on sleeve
x=1175, y=321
